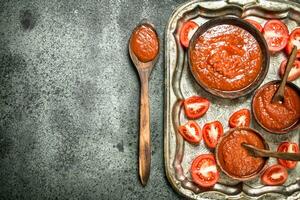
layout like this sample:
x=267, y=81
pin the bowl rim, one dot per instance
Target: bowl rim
x=248, y=177
x=243, y=24
x=276, y=132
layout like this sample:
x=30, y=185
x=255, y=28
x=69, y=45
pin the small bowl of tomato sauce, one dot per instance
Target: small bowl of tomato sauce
x=228, y=57
x=277, y=117
x=234, y=160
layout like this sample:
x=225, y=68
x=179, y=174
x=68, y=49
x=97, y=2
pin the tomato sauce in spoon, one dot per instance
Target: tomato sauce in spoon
x=144, y=43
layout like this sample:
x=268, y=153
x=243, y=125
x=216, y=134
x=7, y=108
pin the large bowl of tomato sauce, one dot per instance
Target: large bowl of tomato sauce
x=234, y=160
x=228, y=57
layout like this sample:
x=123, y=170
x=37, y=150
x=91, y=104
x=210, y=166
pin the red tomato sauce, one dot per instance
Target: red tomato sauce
x=235, y=159
x=226, y=58
x=277, y=116
x=144, y=43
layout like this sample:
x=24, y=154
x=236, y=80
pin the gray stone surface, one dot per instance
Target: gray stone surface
x=69, y=99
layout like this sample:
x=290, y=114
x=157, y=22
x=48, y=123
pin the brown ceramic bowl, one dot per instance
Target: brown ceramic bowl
x=259, y=38
x=291, y=128
x=220, y=161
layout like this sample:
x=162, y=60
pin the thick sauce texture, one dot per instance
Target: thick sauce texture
x=226, y=58
x=235, y=159
x=144, y=43
x=278, y=115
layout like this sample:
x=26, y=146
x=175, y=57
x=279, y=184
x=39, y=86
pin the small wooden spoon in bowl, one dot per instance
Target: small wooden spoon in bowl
x=279, y=94
x=144, y=70
x=266, y=153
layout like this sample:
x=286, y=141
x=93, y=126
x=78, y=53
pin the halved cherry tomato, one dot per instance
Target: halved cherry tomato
x=195, y=107
x=240, y=118
x=187, y=31
x=204, y=170
x=211, y=133
x=294, y=73
x=276, y=35
x=294, y=39
x=274, y=175
x=255, y=24
x=291, y=148
x=191, y=132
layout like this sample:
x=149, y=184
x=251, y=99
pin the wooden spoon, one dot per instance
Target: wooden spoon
x=279, y=94
x=266, y=153
x=144, y=71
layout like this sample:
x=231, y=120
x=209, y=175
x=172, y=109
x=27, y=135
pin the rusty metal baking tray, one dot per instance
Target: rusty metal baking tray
x=180, y=84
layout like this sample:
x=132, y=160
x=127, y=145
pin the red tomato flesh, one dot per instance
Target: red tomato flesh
x=240, y=118
x=191, y=132
x=195, y=107
x=289, y=147
x=187, y=31
x=294, y=73
x=294, y=40
x=255, y=24
x=276, y=35
x=274, y=175
x=211, y=133
x=204, y=170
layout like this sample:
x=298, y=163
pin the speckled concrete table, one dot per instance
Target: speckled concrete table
x=69, y=99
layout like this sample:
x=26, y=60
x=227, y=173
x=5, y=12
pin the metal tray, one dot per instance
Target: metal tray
x=180, y=84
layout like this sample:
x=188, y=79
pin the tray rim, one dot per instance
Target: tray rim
x=171, y=179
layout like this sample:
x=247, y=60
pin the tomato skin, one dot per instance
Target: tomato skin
x=193, y=113
x=201, y=180
x=294, y=38
x=284, y=147
x=184, y=131
x=267, y=179
x=209, y=131
x=294, y=73
x=255, y=24
x=240, y=118
x=276, y=27
x=187, y=31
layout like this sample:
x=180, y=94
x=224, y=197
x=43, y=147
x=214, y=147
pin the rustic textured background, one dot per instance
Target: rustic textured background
x=69, y=99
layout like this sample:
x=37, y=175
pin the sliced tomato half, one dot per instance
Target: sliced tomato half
x=195, y=107
x=187, y=31
x=276, y=34
x=191, y=132
x=211, y=133
x=294, y=73
x=204, y=170
x=240, y=118
x=255, y=24
x=274, y=175
x=289, y=147
x=294, y=40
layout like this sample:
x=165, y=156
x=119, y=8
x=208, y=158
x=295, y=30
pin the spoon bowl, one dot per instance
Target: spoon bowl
x=143, y=66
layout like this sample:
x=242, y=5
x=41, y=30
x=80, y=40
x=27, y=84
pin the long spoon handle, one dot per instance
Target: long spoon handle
x=267, y=153
x=279, y=94
x=145, y=141
x=285, y=156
